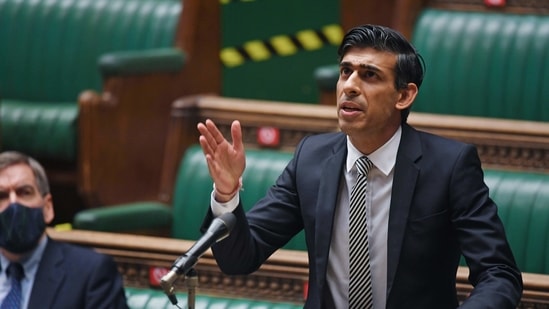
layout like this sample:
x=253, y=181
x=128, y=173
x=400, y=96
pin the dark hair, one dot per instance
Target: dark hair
x=10, y=158
x=409, y=67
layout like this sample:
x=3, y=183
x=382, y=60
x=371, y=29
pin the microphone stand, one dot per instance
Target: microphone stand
x=219, y=229
x=192, y=283
x=168, y=285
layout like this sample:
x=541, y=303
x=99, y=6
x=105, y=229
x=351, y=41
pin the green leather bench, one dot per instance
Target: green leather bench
x=192, y=194
x=478, y=64
x=523, y=201
x=52, y=50
x=156, y=299
x=522, y=197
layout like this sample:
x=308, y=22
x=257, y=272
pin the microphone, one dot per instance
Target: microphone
x=218, y=230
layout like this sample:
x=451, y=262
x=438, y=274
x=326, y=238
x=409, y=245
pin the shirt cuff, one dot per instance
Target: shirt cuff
x=220, y=208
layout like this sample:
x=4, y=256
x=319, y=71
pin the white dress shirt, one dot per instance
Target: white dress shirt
x=378, y=201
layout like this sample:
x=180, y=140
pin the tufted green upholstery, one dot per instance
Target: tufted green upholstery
x=50, y=53
x=44, y=129
x=484, y=64
x=156, y=299
x=262, y=169
x=523, y=201
x=522, y=198
x=192, y=195
x=478, y=64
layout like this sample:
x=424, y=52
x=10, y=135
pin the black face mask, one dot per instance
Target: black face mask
x=21, y=228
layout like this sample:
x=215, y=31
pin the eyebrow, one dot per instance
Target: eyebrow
x=361, y=65
x=23, y=186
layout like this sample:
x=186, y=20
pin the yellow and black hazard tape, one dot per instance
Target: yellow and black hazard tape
x=282, y=45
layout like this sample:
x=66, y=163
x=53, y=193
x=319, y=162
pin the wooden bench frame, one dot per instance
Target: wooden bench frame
x=123, y=128
x=502, y=144
x=282, y=278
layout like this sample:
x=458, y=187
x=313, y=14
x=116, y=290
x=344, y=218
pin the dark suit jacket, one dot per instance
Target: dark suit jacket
x=71, y=277
x=439, y=208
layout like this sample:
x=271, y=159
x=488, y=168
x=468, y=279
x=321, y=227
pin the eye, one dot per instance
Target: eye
x=25, y=191
x=4, y=195
x=369, y=74
x=345, y=71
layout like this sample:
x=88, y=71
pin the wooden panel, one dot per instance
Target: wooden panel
x=282, y=278
x=502, y=144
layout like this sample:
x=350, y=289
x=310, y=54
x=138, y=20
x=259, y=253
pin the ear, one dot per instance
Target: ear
x=48, y=211
x=406, y=96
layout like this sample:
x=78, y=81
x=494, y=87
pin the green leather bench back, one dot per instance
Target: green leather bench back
x=194, y=186
x=50, y=51
x=478, y=64
x=523, y=201
x=156, y=299
x=484, y=64
x=522, y=198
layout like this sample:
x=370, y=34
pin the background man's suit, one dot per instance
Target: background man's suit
x=439, y=206
x=71, y=277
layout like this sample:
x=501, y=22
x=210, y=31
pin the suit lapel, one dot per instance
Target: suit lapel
x=48, y=278
x=326, y=204
x=404, y=182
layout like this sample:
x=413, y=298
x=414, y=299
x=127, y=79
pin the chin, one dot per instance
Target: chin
x=345, y=126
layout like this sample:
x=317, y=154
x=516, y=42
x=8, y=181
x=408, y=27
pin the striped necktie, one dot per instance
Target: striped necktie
x=13, y=299
x=360, y=281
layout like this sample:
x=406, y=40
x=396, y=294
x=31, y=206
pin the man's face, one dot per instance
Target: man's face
x=18, y=184
x=366, y=94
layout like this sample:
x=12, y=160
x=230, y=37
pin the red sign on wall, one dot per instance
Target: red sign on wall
x=155, y=274
x=495, y=3
x=268, y=136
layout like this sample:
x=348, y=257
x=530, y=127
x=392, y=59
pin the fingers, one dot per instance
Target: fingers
x=236, y=134
x=211, y=137
x=208, y=151
x=209, y=133
x=215, y=133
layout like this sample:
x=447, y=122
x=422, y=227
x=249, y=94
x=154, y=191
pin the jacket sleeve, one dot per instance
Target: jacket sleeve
x=493, y=272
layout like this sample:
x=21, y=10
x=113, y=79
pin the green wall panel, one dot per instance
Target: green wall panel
x=308, y=31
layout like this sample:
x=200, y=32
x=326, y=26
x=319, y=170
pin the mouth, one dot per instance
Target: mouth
x=350, y=107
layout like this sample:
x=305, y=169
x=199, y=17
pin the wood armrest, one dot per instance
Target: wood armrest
x=535, y=293
x=282, y=278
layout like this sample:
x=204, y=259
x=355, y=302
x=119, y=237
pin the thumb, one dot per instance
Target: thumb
x=236, y=134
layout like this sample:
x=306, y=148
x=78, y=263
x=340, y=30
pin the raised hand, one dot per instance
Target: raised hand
x=226, y=161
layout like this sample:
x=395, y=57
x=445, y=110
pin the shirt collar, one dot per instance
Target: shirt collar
x=29, y=263
x=383, y=158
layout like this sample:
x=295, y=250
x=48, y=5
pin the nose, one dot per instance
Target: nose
x=351, y=85
x=12, y=196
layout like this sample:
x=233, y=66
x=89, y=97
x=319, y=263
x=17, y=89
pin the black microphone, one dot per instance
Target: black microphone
x=218, y=230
